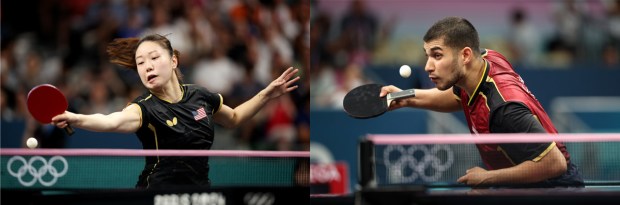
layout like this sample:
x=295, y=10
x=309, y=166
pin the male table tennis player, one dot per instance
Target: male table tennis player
x=495, y=100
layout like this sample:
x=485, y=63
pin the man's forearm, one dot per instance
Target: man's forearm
x=550, y=166
x=434, y=99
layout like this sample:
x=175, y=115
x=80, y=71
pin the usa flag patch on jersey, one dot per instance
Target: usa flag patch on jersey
x=199, y=114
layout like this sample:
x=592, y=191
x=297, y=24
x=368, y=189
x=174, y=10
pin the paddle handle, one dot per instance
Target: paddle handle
x=69, y=130
x=402, y=94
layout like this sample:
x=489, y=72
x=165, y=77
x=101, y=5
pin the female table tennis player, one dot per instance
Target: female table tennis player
x=171, y=115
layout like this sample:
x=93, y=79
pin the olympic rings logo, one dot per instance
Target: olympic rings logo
x=28, y=167
x=404, y=167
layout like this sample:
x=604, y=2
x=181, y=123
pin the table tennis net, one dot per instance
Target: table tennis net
x=119, y=169
x=440, y=159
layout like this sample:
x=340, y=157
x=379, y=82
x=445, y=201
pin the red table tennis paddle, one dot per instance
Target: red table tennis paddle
x=46, y=101
x=364, y=101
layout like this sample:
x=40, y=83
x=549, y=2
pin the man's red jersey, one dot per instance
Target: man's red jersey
x=500, y=86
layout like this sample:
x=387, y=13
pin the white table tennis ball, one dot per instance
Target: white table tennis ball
x=405, y=71
x=32, y=143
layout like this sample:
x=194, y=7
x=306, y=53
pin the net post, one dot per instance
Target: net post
x=366, y=164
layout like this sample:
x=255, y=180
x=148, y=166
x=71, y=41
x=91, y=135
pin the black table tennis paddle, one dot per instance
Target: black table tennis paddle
x=364, y=102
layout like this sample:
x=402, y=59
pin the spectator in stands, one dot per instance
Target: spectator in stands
x=358, y=30
x=563, y=47
x=525, y=40
x=610, y=50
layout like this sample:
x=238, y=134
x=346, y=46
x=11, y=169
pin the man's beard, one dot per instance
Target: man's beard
x=455, y=77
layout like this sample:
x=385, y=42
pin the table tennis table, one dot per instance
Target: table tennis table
x=421, y=195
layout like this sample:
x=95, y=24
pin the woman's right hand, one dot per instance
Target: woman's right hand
x=64, y=119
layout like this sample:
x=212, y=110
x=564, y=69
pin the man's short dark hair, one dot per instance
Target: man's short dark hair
x=457, y=33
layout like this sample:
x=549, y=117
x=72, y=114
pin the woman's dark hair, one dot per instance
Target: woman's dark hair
x=122, y=51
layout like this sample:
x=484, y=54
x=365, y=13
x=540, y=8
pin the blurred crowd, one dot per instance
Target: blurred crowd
x=338, y=60
x=585, y=34
x=232, y=47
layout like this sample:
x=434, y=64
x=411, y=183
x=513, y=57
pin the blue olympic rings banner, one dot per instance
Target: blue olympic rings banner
x=112, y=172
x=423, y=164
